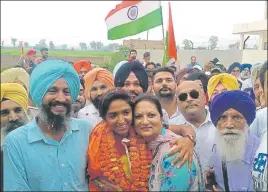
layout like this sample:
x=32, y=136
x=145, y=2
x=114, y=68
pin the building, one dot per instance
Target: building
x=253, y=28
x=144, y=44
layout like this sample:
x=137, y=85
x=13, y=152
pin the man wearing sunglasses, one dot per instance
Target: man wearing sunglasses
x=164, y=87
x=191, y=103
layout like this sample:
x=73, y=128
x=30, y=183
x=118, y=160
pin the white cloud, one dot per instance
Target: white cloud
x=72, y=22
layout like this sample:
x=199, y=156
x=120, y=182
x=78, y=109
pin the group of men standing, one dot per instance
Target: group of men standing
x=45, y=149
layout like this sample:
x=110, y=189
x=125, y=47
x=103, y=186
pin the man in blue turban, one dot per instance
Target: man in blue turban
x=52, y=147
x=232, y=112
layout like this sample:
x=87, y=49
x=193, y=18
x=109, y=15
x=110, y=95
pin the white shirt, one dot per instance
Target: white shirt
x=172, y=119
x=259, y=172
x=205, y=138
x=246, y=84
x=90, y=113
x=259, y=125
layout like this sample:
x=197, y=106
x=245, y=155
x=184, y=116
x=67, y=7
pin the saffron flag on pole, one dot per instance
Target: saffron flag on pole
x=133, y=17
x=170, y=44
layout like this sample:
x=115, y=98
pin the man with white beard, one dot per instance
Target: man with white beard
x=232, y=112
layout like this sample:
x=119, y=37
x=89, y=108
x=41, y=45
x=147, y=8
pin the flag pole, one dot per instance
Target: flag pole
x=163, y=31
x=147, y=35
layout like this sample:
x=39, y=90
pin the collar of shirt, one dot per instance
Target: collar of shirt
x=35, y=133
x=207, y=120
x=176, y=114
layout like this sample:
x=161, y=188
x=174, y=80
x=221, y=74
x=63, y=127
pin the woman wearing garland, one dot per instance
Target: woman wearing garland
x=164, y=176
x=119, y=159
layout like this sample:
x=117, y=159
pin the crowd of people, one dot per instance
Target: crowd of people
x=142, y=127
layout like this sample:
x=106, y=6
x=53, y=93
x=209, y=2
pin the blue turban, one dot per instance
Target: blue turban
x=236, y=99
x=124, y=71
x=246, y=65
x=47, y=73
x=234, y=65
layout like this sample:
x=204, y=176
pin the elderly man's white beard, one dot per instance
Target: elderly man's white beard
x=232, y=147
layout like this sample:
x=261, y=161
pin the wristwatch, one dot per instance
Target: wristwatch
x=192, y=138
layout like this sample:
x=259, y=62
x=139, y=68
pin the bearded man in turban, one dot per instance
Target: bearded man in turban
x=220, y=83
x=19, y=75
x=14, y=104
x=97, y=82
x=52, y=138
x=232, y=112
x=133, y=78
x=82, y=67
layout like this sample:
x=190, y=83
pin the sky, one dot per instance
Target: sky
x=72, y=22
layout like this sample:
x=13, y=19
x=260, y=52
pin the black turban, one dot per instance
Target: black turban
x=124, y=71
x=199, y=76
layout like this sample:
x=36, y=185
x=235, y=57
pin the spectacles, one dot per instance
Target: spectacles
x=193, y=94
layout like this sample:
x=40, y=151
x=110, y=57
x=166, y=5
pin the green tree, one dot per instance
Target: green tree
x=26, y=44
x=234, y=46
x=121, y=55
x=201, y=48
x=213, y=41
x=93, y=45
x=13, y=41
x=187, y=44
x=99, y=45
x=64, y=46
x=83, y=46
x=51, y=45
x=42, y=43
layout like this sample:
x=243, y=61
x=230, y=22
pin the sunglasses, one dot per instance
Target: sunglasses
x=193, y=94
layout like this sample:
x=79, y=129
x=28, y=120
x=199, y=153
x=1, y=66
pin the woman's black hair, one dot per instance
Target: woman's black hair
x=150, y=63
x=109, y=97
x=152, y=99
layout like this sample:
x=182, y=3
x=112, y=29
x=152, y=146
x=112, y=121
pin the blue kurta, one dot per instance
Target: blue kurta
x=34, y=162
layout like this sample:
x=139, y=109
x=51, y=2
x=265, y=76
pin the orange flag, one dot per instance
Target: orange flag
x=172, y=50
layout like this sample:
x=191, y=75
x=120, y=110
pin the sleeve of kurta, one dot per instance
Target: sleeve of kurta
x=15, y=178
x=176, y=179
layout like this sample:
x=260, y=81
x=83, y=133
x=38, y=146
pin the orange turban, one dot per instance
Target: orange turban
x=97, y=74
x=78, y=65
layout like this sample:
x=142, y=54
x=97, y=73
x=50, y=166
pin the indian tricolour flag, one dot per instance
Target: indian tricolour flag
x=133, y=17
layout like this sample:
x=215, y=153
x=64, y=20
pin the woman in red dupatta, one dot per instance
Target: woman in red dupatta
x=119, y=160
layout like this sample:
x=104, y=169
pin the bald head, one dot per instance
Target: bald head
x=189, y=85
x=193, y=104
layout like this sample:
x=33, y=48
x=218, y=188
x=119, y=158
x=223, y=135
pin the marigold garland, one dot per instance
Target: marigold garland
x=140, y=158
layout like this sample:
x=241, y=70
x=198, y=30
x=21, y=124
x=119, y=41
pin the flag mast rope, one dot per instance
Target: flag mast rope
x=163, y=35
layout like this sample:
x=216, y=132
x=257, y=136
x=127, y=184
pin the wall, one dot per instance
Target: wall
x=9, y=60
x=226, y=57
x=144, y=44
x=254, y=56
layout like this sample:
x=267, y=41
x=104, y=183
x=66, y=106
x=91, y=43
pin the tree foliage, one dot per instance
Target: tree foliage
x=42, y=43
x=187, y=44
x=13, y=41
x=26, y=44
x=83, y=46
x=64, y=46
x=20, y=43
x=93, y=45
x=213, y=41
x=234, y=46
x=51, y=45
x=201, y=48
